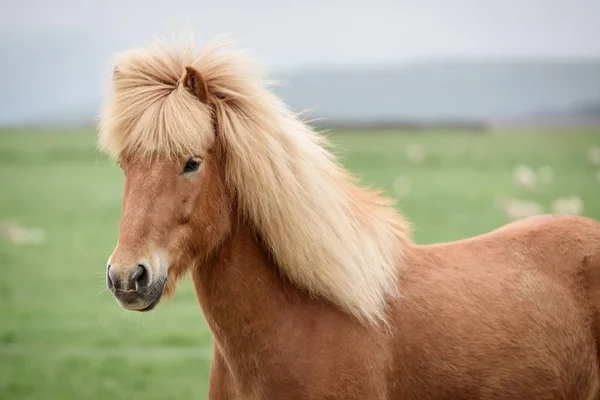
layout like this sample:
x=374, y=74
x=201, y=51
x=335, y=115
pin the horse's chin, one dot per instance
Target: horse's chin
x=150, y=306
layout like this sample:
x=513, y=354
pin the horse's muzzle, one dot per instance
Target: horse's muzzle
x=135, y=291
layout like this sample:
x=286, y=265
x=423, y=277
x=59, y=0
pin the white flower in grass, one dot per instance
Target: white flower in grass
x=517, y=208
x=524, y=176
x=402, y=186
x=524, y=209
x=415, y=153
x=568, y=205
x=546, y=174
x=594, y=155
x=11, y=231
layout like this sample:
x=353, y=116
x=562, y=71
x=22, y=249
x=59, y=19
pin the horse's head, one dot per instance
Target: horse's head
x=200, y=150
x=175, y=212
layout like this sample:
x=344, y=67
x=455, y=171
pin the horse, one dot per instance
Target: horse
x=310, y=284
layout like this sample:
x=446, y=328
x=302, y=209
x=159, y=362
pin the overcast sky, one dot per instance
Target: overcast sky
x=57, y=53
x=312, y=32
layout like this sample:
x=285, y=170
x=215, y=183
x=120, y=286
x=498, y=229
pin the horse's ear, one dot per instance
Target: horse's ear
x=195, y=83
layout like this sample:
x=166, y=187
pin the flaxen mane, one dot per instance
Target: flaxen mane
x=326, y=234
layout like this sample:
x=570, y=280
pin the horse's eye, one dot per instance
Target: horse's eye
x=191, y=165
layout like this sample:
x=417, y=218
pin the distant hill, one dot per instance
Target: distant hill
x=56, y=78
x=461, y=91
x=445, y=91
x=585, y=114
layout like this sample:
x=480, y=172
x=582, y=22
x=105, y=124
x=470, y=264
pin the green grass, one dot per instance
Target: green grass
x=62, y=336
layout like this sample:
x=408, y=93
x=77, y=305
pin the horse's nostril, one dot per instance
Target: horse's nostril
x=140, y=277
x=109, y=280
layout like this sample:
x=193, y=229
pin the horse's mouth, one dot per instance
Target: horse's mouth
x=152, y=305
x=140, y=301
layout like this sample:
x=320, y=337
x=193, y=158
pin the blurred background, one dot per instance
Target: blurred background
x=470, y=113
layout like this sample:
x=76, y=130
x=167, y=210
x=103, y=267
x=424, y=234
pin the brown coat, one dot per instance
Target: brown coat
x=311, y=286
x=506, y=315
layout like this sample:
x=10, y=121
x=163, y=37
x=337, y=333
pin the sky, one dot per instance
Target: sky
x=286, y=33
x=66, y=45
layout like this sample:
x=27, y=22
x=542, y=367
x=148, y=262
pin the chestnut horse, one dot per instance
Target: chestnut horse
x=311, y=286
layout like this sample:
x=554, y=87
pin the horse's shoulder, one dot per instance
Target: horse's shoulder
x=552, y=225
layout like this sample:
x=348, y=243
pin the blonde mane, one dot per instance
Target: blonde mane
x=325, y=234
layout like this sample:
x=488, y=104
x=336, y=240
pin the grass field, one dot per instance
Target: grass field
x=62, y=336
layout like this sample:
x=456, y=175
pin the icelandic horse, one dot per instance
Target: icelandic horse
x=310, y=285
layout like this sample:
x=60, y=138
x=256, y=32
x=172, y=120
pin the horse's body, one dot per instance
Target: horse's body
x=311, y=287
x=506, y=315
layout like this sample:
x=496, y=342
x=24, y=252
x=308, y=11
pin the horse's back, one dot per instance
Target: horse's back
x=509, y=314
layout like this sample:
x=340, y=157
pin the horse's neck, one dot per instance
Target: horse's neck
x=257, y=317
x=244, y=299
